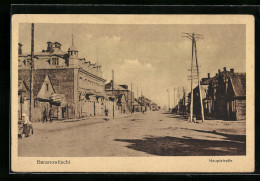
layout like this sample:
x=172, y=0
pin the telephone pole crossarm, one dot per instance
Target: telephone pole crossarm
x=194, y=55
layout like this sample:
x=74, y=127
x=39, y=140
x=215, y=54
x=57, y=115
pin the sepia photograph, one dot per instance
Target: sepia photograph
x=142, y=89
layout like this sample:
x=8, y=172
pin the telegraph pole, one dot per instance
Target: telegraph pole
x=131, y=99
x=184, y=103
x=141, y=101
x=32, y=76
x=137, y=93
x=168, y=99
x=113, y=94
x=201, y=103
x=193, y=37
x=97, y=57
x=174, y=97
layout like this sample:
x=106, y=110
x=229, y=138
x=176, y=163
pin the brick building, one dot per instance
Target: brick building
x=120, y=90
x=76, y=84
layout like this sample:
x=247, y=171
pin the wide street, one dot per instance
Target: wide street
x=155, y=133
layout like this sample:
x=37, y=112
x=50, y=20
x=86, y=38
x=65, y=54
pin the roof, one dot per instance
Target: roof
x=101, y=94
x=117, y=87
x=72, y=48
x=205, y=81
x=38, y=80
x=58, y=98
x=56, y=51
x=22, y=86
x=238, y=81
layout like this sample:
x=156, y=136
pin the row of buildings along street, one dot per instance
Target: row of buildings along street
x=223, y=95
x=70, y=87
x=74, y=87
x=98, y=116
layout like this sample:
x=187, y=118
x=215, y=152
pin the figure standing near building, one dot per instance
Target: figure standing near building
x=50, y=114
x=27, y=125
x=45, y=117
x=106, y=112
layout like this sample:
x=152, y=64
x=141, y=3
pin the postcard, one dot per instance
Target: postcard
x=132, y=93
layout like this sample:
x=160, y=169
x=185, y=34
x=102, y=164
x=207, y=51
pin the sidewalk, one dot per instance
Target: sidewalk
x=109, y=117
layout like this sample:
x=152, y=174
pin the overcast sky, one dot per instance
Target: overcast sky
x=153, y=57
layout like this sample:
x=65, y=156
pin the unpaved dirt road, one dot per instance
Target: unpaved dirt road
x=149, y=134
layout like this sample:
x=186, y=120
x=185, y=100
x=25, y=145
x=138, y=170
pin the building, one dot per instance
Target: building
x=223, y=96
x=23, y=101
x=230, y=99
x=75, y=82
x=145, y=103
x=120, y=90
x=154, y=106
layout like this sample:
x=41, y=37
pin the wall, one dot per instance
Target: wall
x=240, y=110
x=61, y=79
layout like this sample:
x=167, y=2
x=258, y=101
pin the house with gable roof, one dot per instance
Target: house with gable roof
x=77, y=82
x=223, y=96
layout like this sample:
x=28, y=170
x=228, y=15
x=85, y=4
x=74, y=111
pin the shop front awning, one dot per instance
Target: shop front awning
x=58, y=99
x=101, y=94
x=90, y=92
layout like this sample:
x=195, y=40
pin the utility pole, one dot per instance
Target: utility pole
x=113, y=94
x=32, y=76
x=184, y=105
x=131, y=99
x=97, y=57
x=194, y=37
x=174, y=97
x=201, y=103
x=137, y=93
x=141, y=100
x=178, y=100
x=168, y=99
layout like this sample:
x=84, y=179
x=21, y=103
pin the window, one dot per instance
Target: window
x=47, y=87
x=55, y=61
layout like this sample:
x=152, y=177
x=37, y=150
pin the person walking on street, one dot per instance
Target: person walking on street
x=50, y=115
x=45, y=117
x=106, y=112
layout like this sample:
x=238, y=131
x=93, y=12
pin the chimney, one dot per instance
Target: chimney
x=208, y=75
x=20, y=48
x=49, y=46
x=232, y=70
x=57, y=45
x=225, y=69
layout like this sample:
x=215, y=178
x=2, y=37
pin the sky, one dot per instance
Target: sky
x=153, y=58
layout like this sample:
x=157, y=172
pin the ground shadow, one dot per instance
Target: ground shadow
x=230, y=137
x=188, y=146
x=167, y=113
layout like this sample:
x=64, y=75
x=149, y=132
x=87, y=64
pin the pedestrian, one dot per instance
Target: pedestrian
x=106, y=112
x=45, y=117
x=27, y=125
x=50, y=115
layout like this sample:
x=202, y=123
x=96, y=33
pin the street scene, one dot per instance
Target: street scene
x=94, y=90
x=151, y=134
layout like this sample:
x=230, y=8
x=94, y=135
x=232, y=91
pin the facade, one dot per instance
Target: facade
x=122, y=94
x=23, y=98
x=231, y=95
x=64, y=80
x=224, y=96
x=154, y=106
x=145, y=103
